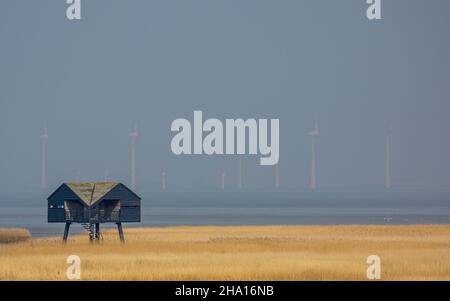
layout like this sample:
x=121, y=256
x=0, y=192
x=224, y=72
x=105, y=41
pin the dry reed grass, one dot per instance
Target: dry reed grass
x=416, y=252
x=11, y=235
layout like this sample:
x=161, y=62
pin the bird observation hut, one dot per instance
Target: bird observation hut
x=93, y=203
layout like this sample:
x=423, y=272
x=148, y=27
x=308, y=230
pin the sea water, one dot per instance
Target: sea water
x=250, y=208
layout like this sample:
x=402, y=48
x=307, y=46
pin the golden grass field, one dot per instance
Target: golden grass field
x=13, y=235
x=417, y=252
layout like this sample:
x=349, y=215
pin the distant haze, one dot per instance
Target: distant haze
x=150, y=62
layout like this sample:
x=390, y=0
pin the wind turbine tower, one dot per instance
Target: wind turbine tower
x=277, y=176
x=241, y=180
x=44, y=138
x=387, y=179
x=222, y=180
x=163, y=180
x=314, y=133
x=134, y=135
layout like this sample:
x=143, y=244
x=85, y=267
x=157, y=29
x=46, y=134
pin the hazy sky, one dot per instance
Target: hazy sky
x=150, y=62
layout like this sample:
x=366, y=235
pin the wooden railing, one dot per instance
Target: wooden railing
x=76, y=215
x=92, y=215
x=111, y=216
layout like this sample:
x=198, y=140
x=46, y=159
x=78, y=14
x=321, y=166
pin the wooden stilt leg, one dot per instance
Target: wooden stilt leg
x=97, y=231
x=119, y=227
x=66, y=232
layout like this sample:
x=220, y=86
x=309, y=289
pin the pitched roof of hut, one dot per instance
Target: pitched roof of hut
x=91, y=192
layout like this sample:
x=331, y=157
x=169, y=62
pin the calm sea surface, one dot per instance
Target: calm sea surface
x=251, y=209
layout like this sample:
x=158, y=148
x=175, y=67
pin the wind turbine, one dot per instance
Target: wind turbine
x=387, y=180
x=240, y=173
x=44, y=138
x=222, y=180
x=277, y=176
x=134, y=135
x=314, y=133
x=163, y=180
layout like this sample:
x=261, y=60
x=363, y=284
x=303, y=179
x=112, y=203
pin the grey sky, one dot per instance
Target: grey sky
x=151, y=62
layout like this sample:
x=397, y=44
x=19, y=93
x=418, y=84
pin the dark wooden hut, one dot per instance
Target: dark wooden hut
x=94, y=203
